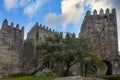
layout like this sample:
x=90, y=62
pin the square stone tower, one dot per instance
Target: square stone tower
x=101, y=33
x=11, y=49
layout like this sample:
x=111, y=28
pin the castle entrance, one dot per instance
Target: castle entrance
x=109, y=67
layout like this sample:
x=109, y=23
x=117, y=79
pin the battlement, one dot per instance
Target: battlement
x=105, y=17
x=11, y=26
x=43, y=27
x=9, y=32
x=101, y=12
x=40, y=31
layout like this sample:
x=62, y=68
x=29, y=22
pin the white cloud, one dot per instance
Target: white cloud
x=71, y=13
x=23, y=2
x=32, y=8
x=9, y=4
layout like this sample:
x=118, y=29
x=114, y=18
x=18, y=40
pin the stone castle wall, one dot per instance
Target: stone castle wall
x=11, y=48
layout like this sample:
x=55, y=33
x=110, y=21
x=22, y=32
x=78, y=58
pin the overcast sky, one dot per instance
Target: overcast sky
x=61, y=15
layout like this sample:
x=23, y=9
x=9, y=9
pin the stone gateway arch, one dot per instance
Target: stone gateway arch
x=101, y=32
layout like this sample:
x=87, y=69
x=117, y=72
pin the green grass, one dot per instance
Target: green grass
x=30, y=78
x=110, y=77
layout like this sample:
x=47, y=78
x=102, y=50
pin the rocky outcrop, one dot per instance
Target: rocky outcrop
x=44, y=73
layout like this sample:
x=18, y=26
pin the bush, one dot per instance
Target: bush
x=101, y=66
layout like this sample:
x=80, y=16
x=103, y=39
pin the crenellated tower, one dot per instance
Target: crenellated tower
x=40, y=32
x=11, y=48
x=12, y=36
x=101, y=32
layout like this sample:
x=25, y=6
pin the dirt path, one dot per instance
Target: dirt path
x=78, y=78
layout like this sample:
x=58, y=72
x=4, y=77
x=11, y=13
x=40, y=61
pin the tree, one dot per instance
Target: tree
x=64, y=51
x=83, y=52
x=48, y=49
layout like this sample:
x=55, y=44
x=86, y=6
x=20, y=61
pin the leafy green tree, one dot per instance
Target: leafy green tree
x=48, y=48
x=64, y=52
x=83, y=52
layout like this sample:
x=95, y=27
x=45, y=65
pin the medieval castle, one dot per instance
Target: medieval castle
x=16, y=54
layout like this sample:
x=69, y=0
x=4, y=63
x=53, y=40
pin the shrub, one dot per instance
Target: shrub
x=101, y=66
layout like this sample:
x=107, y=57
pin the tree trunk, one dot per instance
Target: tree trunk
x=67, y=70
x=86, y=69
x=81, y=66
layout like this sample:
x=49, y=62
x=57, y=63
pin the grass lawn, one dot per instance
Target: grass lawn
x=30, y=78
x=110, y=77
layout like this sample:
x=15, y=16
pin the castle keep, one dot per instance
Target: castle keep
x=101, y=32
